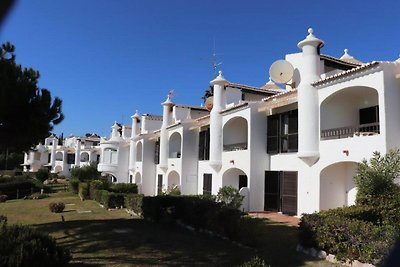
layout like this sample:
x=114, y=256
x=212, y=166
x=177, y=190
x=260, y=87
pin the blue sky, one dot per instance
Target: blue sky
x=105, y=59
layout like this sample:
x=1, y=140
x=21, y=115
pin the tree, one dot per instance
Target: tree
x=377, y=177
x=28, y=113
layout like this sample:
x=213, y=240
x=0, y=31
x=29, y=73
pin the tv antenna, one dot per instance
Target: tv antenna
x=215, y=62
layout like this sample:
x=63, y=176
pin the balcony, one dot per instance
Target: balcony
x=235, y=147
x=350, y=131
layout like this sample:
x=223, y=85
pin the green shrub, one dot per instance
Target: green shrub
x=346, y=237
x=83, y=191
x=42, y=175
x=86, y=173
x=56, y=207
x=172, y=191
x=197, y=212
x=97, y=185
x=25, y=246
x=255, y=262
x=134, y=202
x=376, y=177
x=111, y=200
x=230, y=197
x=18, y=187
x=124, y=188
x=74, y=185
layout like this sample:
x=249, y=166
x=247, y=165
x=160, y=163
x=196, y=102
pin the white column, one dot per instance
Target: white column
x=167, y=105
x=53, y=154
x=132, y=149
x=78, y=153
x=307, y=97
x=219, y=84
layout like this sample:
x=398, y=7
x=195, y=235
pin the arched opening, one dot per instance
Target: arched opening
x=350, y=111
x=110, y=156
x=175, y=141
x=173, y=180
x=139, y=152
x=337, y=188
x=59, y=156
x=235, y=134
x=235, y=177
x=111, y=178
x=84, y=157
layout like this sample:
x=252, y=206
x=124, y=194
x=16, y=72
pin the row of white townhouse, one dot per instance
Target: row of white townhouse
x=294, y=151
x=60, y=155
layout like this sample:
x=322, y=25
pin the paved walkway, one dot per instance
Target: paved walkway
x=276, y=217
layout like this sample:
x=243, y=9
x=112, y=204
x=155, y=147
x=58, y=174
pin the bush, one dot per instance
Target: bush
x=56, y=207
x=86, y=173
x=3, y=198
x=376, y=177
x=83, y=191
x=96, y=185
x=346, y=237
x=18, y=187
x=25, y=246
x=110, y=200
x=197, y=212
x=134, y=202
x=172, y=191
x=230, y=197
x=74, y=185
x=124, y=188
x=42, y=175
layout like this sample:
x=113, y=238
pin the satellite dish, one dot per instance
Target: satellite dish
x=281, y=71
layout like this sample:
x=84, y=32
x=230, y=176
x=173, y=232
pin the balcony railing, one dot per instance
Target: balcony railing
x=350, y=131
x=235, y=147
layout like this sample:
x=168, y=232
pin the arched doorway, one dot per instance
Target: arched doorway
x=235, y=177
x=173, y=180
x=84, y=157
x=337, y=188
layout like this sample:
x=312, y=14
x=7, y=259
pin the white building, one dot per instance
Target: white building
x=60, y=156
x=293, y=151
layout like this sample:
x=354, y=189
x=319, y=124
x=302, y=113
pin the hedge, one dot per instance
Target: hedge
x=96, y=185
x=18, y=187
x=124, y=188
x=74, y=185
x=25, y=246
x=134, y=202
x=202, y=214
x=110, y=199
x=339, y=233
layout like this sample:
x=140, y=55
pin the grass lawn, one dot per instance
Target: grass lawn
x=98, y=237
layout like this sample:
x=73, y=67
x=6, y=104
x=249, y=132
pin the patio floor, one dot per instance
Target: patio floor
x=276, y=217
